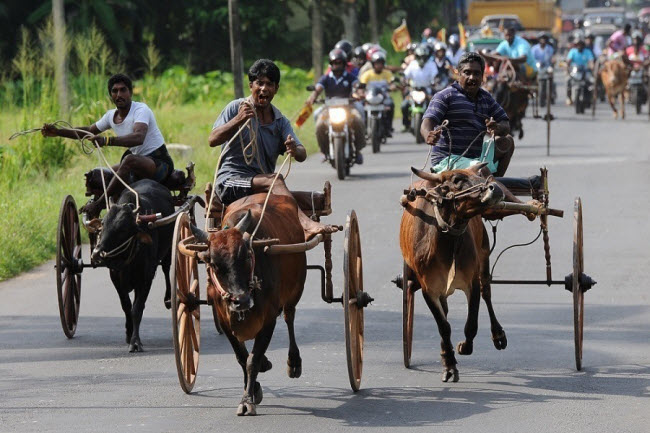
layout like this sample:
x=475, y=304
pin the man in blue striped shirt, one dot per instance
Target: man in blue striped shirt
x=470, y=111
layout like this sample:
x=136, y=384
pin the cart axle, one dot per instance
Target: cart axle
x=584, y=280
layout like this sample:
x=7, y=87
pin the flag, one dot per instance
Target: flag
x=401, y=37
x=442, y=35
x=304, y=114
x=461, y=33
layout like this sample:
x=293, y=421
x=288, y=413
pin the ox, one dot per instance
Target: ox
x=514, y=100
x=248, y=289
x=446, y=247
x=132, y=252
x=613, y=75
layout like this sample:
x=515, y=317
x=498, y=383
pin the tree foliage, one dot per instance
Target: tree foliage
x=194, y=33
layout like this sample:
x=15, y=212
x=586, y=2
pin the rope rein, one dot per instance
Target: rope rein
x=82, y=137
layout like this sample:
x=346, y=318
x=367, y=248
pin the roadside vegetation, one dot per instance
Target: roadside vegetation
x=37, y=173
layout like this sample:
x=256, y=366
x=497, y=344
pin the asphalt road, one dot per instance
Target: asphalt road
x=92, y=384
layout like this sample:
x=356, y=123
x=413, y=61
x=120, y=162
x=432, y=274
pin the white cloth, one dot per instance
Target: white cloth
x=454, y=58
x=138, y=113
x=421, y=76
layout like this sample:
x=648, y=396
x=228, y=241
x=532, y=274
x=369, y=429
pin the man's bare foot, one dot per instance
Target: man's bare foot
x=318, y=228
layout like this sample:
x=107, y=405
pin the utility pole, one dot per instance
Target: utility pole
x=58, y=16
x=350, y=22
x=374, y=27
x=236, y=59
x=316, y=38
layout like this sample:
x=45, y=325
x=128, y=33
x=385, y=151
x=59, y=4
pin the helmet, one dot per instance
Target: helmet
x=337, y=54
x=543, y=35
x=412, y=46
x=344, y=45
x=589, y=35
x=367, y=46
x=439, y=46
x=454, y=40
x=637, y=35
x=359, y=52
x=378, y=56
x=431, y=41
x=421, y=51
x=578, y=37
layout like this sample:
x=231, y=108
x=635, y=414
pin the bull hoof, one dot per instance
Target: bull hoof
x=168, y=304
x=294, y=372
x=265, y=365
x=465, y=348
x=136, y=346
x=259, y=395
x=450, y=373
x=499, y=339
x=521, y=134
x=246, y=407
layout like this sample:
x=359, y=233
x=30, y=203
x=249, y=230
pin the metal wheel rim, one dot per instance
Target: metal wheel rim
x=408, y=316
x=68, y=249
x=578, y=295
x=354, y=325
x=186, y=326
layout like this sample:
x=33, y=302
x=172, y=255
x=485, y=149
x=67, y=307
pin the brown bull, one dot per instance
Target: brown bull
x=446, y=246
x=613, y=75
x=248, y=290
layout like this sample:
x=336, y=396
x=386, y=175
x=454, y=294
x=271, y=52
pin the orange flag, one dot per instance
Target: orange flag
x=401, y=37
x=442, y=35
x=303, y=115
x=461, y=33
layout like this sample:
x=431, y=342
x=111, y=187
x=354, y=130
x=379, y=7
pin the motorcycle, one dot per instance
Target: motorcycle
x=440, y=82
x=376, y=108
x=581, y=87
x=544, y=82
x=638, y=86
x=342, y=153
x=419, y=98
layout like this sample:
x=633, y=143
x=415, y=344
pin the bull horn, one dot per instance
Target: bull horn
x=243, y=223
x=199, y=234
x=433, y=177
x=476, y=168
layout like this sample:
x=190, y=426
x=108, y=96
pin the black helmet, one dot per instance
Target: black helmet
x=344, y=45
x=359, y=52
x=337, y=54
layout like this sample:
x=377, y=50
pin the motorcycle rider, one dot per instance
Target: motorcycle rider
x=618, y=42
x=358, y=59
x=410, y=55
x=346, y=46
x=542, y=52
x=443, y=64
x=379, y=73
x=580, y=57
x=338, y=83
x=454, y=51
x=419, y=73
x=590, y=44
x=637, y=52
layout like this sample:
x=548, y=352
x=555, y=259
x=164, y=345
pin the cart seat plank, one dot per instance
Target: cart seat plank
x=522, y=185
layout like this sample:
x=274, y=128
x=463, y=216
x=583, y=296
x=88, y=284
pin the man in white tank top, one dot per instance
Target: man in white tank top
x=136, y=128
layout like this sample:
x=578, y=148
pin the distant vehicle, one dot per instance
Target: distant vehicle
x=479, y=44
x=614, y=16
x=503, y=21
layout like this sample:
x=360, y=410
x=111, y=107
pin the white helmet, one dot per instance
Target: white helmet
x=439, y=46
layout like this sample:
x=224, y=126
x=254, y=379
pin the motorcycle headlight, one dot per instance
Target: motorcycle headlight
x=418, y=96
x=337, y=115
x=549, y=70
x=374, y=98
x=574, y=71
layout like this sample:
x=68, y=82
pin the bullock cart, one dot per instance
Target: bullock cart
x=69, y=263
x=187, y=296
x=513, y=94
x=576, y=282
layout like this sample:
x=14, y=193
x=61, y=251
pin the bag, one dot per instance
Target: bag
x=461, y=162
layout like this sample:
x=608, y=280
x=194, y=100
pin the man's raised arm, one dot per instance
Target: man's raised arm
x=225, y=132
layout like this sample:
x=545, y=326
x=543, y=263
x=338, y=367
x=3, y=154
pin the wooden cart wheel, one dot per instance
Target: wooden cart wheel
x=578, y=294
x=186, y=325
x=68, y=266
x=353, y=291
x=408, y=314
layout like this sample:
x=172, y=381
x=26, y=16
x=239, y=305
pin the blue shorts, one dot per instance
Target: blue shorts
x=234, y=188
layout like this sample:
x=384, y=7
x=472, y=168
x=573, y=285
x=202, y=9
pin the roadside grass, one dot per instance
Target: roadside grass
x=30, y=203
